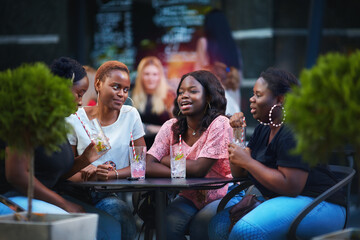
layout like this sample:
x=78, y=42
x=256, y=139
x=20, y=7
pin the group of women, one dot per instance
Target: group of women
x=159, y=115
x=285, y=181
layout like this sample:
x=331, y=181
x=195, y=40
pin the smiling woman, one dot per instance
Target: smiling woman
x=118, y=121
x=201, y=124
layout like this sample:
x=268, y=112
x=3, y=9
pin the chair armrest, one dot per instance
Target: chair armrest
x=13, y=206
x=293, y=227
x=243, y=185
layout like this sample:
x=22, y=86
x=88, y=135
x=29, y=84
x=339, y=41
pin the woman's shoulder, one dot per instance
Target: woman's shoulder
x=170, y=122
x=220, y=120
x=129, y=109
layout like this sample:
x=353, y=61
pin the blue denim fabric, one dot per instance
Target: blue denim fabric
x=182, y=217
x=272, y=219
x=118, y=209
x=108, y=227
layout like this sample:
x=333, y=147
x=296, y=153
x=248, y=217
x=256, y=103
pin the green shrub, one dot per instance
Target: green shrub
x=325, y=110
x=33, y=106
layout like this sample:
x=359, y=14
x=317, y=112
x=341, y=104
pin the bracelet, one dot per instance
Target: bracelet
x=117, y=174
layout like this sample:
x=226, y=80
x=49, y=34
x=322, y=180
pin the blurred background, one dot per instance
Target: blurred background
x=280, y=33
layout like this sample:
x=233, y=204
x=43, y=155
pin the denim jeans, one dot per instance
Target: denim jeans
x=182, y=217
x=112, y=204
x=272, y=219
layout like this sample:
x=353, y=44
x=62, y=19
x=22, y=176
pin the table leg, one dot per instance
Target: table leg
x=160, y=198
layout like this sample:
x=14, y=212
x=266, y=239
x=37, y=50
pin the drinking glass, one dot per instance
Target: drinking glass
x=177, y=162
x=97, y=135
x=137, y=161
x=238, y=136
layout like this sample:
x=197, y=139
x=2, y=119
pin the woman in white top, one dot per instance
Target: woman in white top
x=119, y=121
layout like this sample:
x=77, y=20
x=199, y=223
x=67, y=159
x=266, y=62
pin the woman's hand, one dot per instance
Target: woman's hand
x=103, y=172
x=88, y=173
x=238, y=156
x=73, y=207
x=237, y=120
x=90, y=153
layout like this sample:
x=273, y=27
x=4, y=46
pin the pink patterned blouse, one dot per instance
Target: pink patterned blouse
x=212, y=144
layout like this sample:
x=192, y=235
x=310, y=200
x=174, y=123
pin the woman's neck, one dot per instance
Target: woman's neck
x=105, y=115
x=273, y=131
x=194, y=122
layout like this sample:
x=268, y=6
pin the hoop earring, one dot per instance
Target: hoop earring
x=179, y=113
x=270, y=113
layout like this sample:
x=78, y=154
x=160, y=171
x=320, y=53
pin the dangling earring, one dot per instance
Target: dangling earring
x=97, y=98
x=206, y=107
x=73, y=77
x=270, y=113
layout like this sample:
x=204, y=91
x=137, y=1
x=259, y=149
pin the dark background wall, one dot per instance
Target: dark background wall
x=268, y=32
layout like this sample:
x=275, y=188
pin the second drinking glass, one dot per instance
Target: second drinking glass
x=137, y=161
x=177, y=162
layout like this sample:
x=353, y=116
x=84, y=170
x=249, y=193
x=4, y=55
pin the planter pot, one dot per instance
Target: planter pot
x=49, y=227
x=350, y=233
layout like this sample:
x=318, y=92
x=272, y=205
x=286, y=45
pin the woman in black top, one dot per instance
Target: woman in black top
x=284, y=179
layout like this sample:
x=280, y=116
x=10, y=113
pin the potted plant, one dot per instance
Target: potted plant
x=325, y=109
x=33, y=106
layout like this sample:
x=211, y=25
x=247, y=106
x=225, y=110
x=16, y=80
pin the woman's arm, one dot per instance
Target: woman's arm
x=82, y=169
x=283, y=180
x=198, y=168
x=89, y=156
x=17, y=173
x=156, y=169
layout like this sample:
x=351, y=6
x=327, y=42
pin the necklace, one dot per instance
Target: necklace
x=194, y=131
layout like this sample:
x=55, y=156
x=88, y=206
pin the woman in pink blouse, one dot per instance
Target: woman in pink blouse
x=199, y=109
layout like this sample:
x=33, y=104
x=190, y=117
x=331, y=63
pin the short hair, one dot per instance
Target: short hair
x=215, y=107
x=105, y=69
x=68, y=68
x=279, y=81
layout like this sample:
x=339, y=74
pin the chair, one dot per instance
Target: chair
x=342, y=172
x=12, y=205
x=345, y=174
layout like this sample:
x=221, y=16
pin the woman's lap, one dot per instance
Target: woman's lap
x=182, y=217
x=271, y=220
